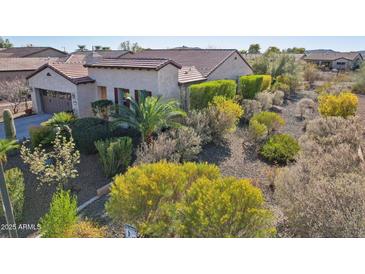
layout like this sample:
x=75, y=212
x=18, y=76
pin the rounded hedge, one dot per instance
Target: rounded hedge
x=202, y=94
x=280, y=149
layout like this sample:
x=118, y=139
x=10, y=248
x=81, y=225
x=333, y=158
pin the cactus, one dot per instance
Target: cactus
x=9, y=127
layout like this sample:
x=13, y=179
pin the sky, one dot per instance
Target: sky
x=69, y=43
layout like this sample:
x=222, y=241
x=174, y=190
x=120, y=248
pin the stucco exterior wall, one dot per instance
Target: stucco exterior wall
x=232, y=68
x=347, y=66
x=86, y=94
x=54, y=82
x=163, y=82
x=168, y=82
x=49, y=53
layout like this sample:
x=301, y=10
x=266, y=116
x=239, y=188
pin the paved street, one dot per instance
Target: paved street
x=23, y=124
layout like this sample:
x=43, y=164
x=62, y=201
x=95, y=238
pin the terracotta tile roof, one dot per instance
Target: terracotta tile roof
x=331, y=56
x=21, y=64
x=76, y=73
x=204, y=60
x=83, y=56
x=140, y=63
x=26, y=51
x=189, y=75
x=112, y=53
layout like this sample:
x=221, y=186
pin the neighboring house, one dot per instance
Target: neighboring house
x=11, y=68
x=88, y=56
x=75, y=83
x=25, y=52
x=335, y=60
x=212, y=64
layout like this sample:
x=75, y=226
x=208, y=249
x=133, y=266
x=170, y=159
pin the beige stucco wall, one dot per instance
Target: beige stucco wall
x=86, y=94
x=163, y=82
x=168, y=82
x=49, y=53
x=232, y=68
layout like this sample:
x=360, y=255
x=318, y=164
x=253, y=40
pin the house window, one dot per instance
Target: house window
x=120, y=96
x=141, y=94
x=341, y=63
x=102, y=93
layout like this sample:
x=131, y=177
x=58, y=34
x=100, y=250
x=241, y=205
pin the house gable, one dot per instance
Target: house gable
x=231, y=68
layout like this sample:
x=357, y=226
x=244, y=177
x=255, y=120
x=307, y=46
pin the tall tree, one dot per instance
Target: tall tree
x=6, y=146
x=81, y=48
x=15, y=92
x=5, y=44
x=127, y=45
x=272, y=50
x=295, y=50
x=254, y=49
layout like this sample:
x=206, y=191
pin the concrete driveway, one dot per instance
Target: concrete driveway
x=23, y=124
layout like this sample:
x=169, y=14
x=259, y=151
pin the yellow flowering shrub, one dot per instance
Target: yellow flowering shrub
x=231, y=110
x=85, y=229
x=225, y=207
x=344, y=104
x=183, y=200
x=145, y=194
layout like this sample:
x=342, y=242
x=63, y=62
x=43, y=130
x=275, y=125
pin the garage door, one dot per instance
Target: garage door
x=55, y=101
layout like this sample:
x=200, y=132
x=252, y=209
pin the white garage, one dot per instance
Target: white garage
x=62, y=87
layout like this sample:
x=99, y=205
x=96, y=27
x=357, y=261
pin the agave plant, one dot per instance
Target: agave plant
x=59, y=119
x=149, y=115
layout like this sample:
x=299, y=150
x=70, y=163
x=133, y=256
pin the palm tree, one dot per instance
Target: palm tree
x=149, y=115
x=7, y=145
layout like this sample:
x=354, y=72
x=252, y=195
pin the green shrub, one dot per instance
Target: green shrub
x=115, y=154
x=188, y=200
x=101, y=108
x=41, y=135
x=225, y=207
x=280, y=149
x=257, y=130
x=15, y=182
x=86, y=131
x=230, y=109
x=59, y=119
x=270, y=120
x=61, y=216
x=145, y=195
x=250, y=85
x=9, y=126
x=202, y=94
x=266, y=82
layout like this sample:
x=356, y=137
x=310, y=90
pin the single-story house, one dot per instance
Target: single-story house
x=25, y=52
x=335, y=60
x=72, y=86
x=11, y=68
x=87, y=56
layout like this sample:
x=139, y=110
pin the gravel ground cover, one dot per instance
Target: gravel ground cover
x=38, y=197
x=232, y=157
